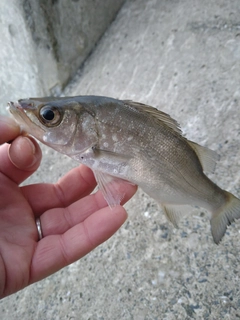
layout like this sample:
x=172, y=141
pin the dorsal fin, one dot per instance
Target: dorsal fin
x=159, y=115
x=206, y=156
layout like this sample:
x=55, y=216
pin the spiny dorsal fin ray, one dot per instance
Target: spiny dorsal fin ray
x=206, y=156
x=159, y=115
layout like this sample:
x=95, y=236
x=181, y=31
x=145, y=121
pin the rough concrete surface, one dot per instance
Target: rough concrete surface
x=43, y=42
x=184, y=58
x=18, y=63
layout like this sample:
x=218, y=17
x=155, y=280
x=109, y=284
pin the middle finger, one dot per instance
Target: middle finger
x=59, y=220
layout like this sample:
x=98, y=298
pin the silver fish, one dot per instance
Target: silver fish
x=135, y=142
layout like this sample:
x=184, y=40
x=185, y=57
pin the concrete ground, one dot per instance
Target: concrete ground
x=182, y=57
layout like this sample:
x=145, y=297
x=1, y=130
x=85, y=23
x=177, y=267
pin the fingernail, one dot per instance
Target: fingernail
x=31, y=144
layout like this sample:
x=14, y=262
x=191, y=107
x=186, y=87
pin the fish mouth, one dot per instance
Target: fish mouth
x=15, y=109
x=19, y=106
x=19, y=113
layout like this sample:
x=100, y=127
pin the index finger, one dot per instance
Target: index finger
x=77, y=183
x=9, y=129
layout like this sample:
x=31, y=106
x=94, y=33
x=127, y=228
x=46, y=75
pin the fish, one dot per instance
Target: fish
x=130, y=141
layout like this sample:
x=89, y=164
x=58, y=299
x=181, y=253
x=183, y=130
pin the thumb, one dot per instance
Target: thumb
x=8, y=129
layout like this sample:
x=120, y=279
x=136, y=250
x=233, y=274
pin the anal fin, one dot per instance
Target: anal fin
x=174, y=212
x=171, y=214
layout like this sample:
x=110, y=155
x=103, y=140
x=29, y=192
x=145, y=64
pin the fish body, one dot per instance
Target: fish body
x=131, y=141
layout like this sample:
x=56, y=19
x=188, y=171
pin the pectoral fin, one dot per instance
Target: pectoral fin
x=110, y=187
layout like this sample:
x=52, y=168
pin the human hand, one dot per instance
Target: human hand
x=73, y=222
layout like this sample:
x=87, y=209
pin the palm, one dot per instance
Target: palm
x=18, y=237
x=73, y=222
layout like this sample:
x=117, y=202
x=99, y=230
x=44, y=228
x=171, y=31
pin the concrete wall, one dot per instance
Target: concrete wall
x=44, y=42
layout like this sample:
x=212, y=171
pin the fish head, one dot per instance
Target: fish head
x=62, y=124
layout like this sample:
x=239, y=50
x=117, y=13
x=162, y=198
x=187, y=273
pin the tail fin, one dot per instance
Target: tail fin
x=224, y=216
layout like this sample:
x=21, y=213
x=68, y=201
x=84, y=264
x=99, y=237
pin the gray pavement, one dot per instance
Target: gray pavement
x=182, y=57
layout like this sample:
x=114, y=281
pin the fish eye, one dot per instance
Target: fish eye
x=50, y=115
